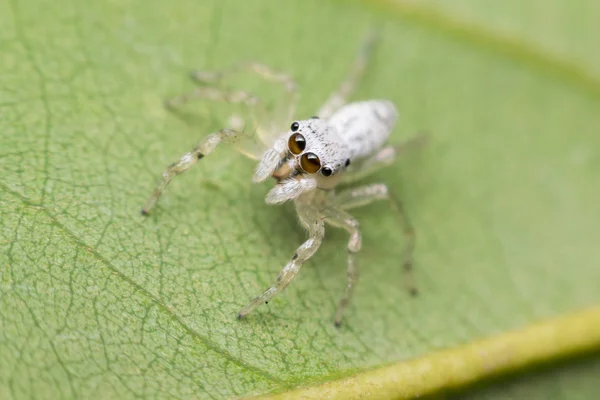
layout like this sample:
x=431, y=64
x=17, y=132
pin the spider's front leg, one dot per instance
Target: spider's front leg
x=186, y=161
x=311, y=219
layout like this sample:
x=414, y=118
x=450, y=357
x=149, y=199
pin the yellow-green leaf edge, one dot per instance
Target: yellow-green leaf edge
x=545, y=341
x=479, y=35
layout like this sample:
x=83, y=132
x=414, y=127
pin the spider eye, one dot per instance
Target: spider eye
x=296, y=143
x=295, y=126
x=347, y=162
x=326, y=171
x=310, y=163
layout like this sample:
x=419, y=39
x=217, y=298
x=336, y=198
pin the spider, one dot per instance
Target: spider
x=342, y=144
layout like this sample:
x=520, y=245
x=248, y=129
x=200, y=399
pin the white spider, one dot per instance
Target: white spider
x=344, y=143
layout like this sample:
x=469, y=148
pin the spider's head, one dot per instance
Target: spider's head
x=317, y=150
x=312, y=155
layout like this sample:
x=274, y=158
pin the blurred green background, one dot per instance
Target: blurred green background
x=97, y=302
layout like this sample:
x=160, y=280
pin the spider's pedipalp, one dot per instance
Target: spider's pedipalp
x=289, y=189
x=270, y=160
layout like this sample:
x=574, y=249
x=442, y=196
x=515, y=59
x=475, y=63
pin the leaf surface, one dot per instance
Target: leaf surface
x=98, y=302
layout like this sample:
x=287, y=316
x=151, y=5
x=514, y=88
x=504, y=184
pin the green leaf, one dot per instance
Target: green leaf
x=98, y=302
x=453, y=369
x=576, y=381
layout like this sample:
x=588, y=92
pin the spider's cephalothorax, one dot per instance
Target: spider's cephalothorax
x=314, y=156
x=308, y=161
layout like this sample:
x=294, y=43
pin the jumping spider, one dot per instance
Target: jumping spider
x=345, y=143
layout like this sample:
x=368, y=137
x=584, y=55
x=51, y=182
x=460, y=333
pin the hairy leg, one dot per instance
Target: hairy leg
x=341, y=219
x=311, y=220
x=205, y=147
x=264, y=72
x=363, y=195
x=255, y=107
x=340, y=97
x=214, y=94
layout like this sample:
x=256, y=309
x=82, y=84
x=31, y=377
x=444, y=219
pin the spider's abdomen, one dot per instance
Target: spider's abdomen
x=365, y=126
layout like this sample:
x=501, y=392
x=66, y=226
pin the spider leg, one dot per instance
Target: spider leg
x=340, y=97
x=341, y=219
x=215, y=94
x=311, y=220
x=363, y=195
x=251, y=144
x=264, y=72
x=205, y=147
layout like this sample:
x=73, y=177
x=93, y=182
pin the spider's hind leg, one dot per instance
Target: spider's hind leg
x=340, y=97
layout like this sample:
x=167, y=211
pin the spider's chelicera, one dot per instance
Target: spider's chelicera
x=341, y=145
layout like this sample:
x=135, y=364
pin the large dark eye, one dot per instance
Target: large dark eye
x=296, y=143
x=326, y=171
x=310, y=163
